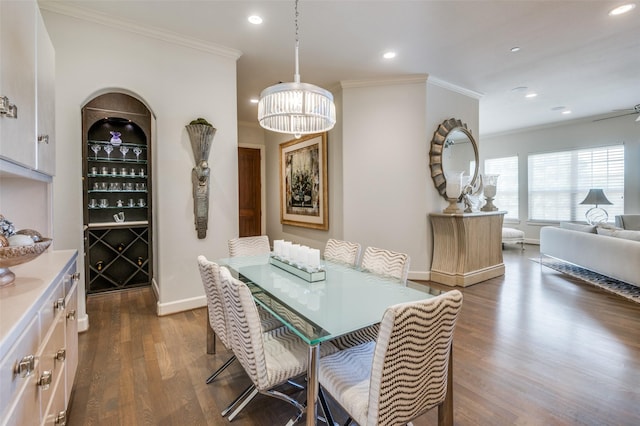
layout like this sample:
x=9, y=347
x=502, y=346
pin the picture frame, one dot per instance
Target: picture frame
x=303, y=182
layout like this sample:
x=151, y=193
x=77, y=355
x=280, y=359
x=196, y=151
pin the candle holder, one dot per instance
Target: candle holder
x=490, y=188
x=453, y=191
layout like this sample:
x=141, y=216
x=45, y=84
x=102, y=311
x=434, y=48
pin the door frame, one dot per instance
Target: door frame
x=263, y=178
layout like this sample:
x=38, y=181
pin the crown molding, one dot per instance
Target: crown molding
x=450, y=86
x=405, y=79
x=157, y=33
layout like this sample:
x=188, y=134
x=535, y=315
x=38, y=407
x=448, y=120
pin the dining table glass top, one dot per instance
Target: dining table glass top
x=347, y=300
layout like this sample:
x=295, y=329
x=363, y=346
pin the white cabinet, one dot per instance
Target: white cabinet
x=39, y=340
x=45, y=99
x=17, y=80
x=27, y=80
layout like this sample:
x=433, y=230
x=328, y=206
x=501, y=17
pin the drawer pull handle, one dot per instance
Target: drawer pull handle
x=75, y=277
x=61, y=418
x=25, y=366
x=43, y=138
x=61, y=355
x=71, y=315
x=59, y=304
x=45, y=379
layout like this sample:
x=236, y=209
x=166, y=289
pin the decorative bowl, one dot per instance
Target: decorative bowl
x=16, y=255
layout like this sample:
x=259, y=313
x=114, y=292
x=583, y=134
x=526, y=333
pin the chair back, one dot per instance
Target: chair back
x=210, y=274
x=342, y=251
x=386, y=262
x=249, y=246
x=411, y=359
x=245, y=331
x=628, y=221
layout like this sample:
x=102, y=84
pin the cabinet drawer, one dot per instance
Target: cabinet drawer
x=71, y=363
x=12, y=386
x=50, y=308
x=55, y=412
x=51, y=361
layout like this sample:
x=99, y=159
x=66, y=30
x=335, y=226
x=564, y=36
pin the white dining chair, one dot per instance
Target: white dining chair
x=269, y=359
x=342, y=251
x=404, y=373
x=386, y=263
x=249, y=246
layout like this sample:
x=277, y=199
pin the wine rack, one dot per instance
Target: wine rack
x=117, y=161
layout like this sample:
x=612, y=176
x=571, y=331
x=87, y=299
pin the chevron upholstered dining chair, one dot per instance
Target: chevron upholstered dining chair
x=210, y=274
x=404, y=373
x=387, y=263
x=249, y=246
x=269, y=359
x=342, y=251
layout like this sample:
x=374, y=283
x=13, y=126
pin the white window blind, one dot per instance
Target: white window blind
x=508, y=185
x=559, y=181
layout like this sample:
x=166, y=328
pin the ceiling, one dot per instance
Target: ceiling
x=572, y=54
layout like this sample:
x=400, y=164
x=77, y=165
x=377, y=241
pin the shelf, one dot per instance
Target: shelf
x=116, y=224
x=140, y=191
x=117, y=208
x=127, y=144
x=115, y=159
x=129, y=176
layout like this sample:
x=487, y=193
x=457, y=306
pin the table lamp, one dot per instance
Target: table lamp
x=596, y=214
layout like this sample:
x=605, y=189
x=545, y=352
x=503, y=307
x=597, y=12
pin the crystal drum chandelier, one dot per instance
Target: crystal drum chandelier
x=296, y=108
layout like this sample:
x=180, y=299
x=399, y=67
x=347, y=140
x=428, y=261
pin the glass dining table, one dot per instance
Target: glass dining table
x=348, y=299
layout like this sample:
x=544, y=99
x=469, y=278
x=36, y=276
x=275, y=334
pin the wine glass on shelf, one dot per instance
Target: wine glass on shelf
x=95, y=148
x=108, y=149
x=124, y=150
x=137, y=151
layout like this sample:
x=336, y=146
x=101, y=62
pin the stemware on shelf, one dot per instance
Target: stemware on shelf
x=124, y=150
x=137, y=151
x=108, y=149
x=95, y=148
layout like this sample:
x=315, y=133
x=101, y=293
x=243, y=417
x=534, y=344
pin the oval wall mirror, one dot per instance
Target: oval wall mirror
x=453, y=148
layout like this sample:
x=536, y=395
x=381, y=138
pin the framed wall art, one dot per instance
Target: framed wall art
x=303, y=182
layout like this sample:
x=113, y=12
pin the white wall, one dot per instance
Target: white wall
x=574, y=134
x=178, y=83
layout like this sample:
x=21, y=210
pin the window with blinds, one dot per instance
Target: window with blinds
x=508, y=185
x=559, y=181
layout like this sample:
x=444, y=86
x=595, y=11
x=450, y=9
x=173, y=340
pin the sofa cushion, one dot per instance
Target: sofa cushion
x=627, y=234
x=578, y=227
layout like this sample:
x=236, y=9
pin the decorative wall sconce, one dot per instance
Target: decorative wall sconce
x=201, y=134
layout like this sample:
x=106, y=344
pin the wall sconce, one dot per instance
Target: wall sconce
x=201, y=135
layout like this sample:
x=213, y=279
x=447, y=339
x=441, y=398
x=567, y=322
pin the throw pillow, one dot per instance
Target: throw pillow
x=627, y=234
x=606, y=231
x=578, y=227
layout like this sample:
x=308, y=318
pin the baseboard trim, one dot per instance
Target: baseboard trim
x=181, y=305
x=420, y=275
x=83, y=323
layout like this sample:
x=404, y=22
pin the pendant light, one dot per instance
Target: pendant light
x=296, y=108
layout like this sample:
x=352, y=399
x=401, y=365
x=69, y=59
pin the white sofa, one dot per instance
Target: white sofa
x=612, y=256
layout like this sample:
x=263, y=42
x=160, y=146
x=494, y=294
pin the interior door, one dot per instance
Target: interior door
x=249, y=192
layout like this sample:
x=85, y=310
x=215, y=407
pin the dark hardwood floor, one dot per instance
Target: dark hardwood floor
x=533, y=347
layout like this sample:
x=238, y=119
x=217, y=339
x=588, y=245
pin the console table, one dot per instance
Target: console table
x=467, y=247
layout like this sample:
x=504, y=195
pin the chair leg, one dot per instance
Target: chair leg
x=221, y=369
x=252, y=395
x=235, y=402
x=295, y=385
x=325, y=408
x=348, y=422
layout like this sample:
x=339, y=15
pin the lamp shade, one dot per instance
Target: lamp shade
x=596, y=196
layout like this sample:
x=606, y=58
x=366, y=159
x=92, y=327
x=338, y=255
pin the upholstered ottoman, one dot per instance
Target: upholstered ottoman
x=512, y=236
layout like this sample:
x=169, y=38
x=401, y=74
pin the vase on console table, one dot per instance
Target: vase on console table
x=453, y=191
x=490, y=187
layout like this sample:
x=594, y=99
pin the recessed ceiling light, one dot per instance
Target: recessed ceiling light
x=566, y=111
x=519, y=89
x=515, y=49
x=530, y=95
x=558, y=108
x=254, y=100
x=622, y=9
x=255, y=19
x=389, y=55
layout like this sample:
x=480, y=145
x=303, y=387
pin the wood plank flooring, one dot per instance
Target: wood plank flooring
x=533, y=347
